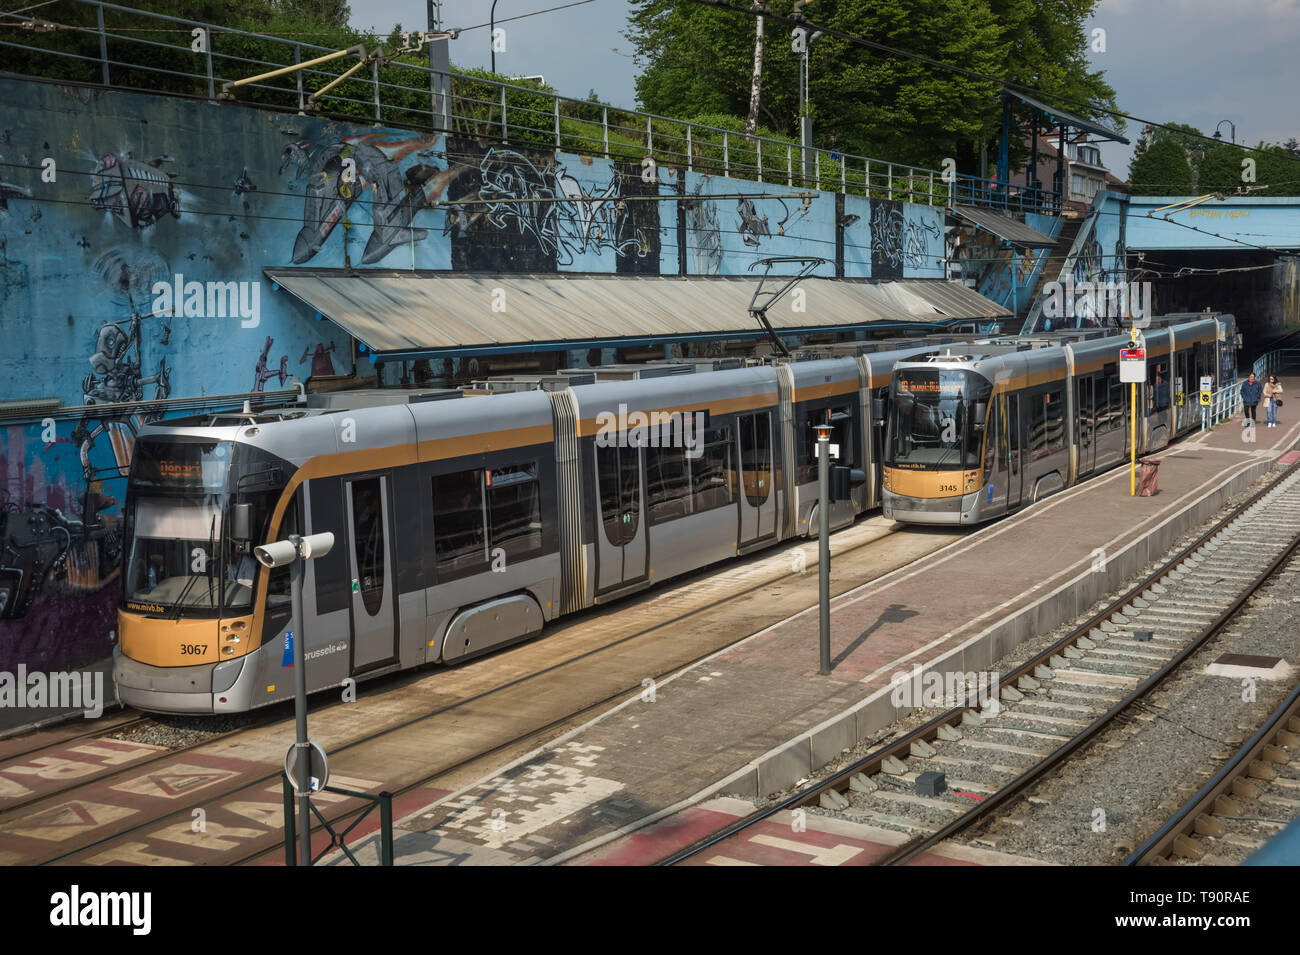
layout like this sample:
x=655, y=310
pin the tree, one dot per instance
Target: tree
x=694, y=59
x=1220, y=170
x=1161, y=170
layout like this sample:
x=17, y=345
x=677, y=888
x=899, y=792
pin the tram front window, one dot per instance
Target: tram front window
x=936, y=420
x=186, y=553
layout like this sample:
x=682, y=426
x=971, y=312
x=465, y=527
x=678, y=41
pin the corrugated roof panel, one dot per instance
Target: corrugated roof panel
x=423, y=311
x=1004, y=227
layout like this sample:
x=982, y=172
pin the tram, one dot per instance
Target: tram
x=465, y=519
x=980, y=429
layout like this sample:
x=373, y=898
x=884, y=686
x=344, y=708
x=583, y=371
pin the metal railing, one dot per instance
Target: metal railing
x=109, y=44
x=1225, y=402
x=384, y=802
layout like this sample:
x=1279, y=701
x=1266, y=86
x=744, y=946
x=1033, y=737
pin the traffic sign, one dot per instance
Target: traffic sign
x=1207, y=383
x=1132, y=365
x=318, y=772
x=1205, y=398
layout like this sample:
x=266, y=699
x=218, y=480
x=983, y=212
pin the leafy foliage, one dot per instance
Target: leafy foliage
x=697, y=60
x=1161, y=170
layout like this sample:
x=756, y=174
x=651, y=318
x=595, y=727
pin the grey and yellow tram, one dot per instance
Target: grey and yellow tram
x=463, y=523
x=978, y=430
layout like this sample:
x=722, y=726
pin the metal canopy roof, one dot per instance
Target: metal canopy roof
x=401, y=314
x=1004, y=227
x=1068, y=119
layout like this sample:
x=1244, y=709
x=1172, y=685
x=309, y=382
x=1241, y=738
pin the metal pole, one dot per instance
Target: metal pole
x=492, y=33
x=103, y=43
x=300, y=707
x=1133, y=426
x=824, y=544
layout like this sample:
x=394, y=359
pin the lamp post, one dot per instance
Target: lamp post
x=824, y=543
x=1232, y=130
x=492, y=31
x=803, y=41
x=297, y=550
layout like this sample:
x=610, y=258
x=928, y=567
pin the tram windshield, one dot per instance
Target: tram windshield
x=936, y=419
x=190, y=534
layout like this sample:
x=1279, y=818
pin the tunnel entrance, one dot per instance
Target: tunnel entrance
x=1262, y=289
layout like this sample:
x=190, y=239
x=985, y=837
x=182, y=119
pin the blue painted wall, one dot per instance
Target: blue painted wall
x=134, y=231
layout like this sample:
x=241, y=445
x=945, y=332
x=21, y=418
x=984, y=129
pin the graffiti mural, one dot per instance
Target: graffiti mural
x=888, y=245
x=918, y=252
x=137, y=193
x=321, y=363
x=752, y=226
x=339, y=173
x=263, y=373
x=706, y=235
x=540, y=216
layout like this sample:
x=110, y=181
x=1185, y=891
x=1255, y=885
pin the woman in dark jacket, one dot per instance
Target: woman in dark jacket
x=1251, y=392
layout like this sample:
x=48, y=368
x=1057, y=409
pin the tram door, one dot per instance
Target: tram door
x=1015, y=466
x=1087, y=426
x=370, y=565
x=757, y=502
x=621, y=538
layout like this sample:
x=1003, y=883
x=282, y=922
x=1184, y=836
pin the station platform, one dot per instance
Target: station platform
x=756, y=717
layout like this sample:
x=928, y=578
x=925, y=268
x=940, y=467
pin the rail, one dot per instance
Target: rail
x=108, y=44
x=338, y=840
x=900, y=747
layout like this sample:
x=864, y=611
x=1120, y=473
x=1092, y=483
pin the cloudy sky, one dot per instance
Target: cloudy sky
x=1187, y=61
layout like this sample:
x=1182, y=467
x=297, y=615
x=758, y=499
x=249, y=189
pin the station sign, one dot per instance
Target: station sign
x=1132, y=365
x=1207, y=389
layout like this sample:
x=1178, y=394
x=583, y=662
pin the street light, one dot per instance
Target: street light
x=801, y=43
x=295, y=552
x=492, y=32
x=1232, y=130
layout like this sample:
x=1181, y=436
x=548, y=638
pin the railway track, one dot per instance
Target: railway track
x=631, y=631
x=1252, y=787
x=1057, y=702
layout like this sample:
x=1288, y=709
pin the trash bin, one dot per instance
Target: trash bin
x=1147, y=473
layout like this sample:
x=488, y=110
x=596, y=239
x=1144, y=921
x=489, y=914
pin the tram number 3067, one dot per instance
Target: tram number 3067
x=193, y=649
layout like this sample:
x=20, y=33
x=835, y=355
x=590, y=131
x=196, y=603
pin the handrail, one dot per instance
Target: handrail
x=1087, y=228
x=477, y=106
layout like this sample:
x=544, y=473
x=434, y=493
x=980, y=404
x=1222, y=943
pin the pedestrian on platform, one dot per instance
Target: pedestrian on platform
x=1273, y=397
x=1251, y=392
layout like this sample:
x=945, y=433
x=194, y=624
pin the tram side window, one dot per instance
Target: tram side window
x=1055, y=431
x=1158, y=384
x=841, y=417
x=713, y=475
x=1046, y=424
x=1115, y=405
x=277, y=589
x=668, y=484
x=459, y=538
x=515, y=509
